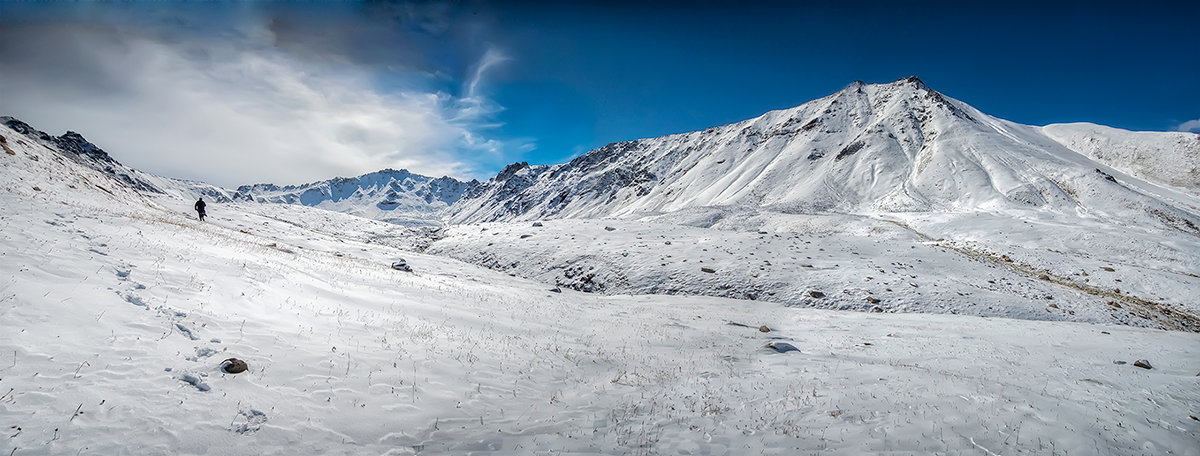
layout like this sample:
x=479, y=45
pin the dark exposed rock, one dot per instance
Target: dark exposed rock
x=1143, y=364
x=850, y=150
x=234, y=366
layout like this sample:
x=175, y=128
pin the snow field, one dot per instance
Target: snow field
x=349, y=357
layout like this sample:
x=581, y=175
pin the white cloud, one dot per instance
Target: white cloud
x=490, y=58
x=239, y=112
x=1191, y=126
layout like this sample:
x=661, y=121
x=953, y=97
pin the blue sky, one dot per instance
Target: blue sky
x=250, y=92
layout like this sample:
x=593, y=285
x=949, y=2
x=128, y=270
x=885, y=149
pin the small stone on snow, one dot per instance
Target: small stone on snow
x=234, y=366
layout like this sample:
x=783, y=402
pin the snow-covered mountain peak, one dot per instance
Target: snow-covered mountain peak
x=895, y=147
x=397, y=196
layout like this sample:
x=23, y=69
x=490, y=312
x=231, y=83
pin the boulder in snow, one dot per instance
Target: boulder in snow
x=781, y=347
x=233, y=366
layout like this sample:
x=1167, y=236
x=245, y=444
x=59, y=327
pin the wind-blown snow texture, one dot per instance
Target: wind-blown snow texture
x=119, y=308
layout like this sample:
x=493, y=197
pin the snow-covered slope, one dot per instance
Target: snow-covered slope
x=117, y=310
x=393, y=196
x=897, y=147
x=74, y=146
x=1172, y=158
x=890, y=197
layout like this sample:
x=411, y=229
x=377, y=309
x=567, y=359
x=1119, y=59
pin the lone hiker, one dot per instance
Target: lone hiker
x=200, y=208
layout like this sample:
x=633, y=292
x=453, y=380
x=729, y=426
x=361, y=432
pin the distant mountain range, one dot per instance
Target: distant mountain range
x=396, y=196
x=897, y=147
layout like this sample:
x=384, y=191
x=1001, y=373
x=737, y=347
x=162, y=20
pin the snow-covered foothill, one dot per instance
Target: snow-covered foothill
x=1172, y=158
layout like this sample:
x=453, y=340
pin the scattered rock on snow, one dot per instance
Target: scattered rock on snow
x=764, y=328
x=816, y=294
x=873, y=300
x=876, y=309
x=401, y=265
x=781, y=347
x=1106, y=268
x=707, y=269
x=1143, y=364
x=609, y=228
x=234, y=366
x=537, y=224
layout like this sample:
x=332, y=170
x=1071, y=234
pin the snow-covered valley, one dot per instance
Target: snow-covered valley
x=730, y=328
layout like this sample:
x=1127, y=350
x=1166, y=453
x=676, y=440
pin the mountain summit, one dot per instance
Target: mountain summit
x=897, y=147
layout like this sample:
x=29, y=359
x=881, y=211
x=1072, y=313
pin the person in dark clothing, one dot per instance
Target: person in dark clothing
x=200, y=208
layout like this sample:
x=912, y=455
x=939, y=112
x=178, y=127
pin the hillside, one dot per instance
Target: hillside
x=888, y=197
x=120, y=308
x=878, y=148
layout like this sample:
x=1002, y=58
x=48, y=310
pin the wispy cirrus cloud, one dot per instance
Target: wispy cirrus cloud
x=249, y=101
